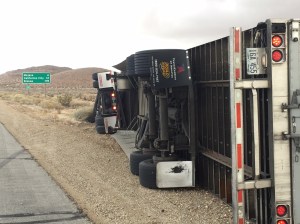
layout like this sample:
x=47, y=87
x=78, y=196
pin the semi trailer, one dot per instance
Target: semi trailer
x=224, y=115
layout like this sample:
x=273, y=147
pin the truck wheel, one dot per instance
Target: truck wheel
x=95, y=84
x=99, y=121
x=142, y=63
x=95, y=76
x=92, y=117
x=135, y=158
x=147, y=170
x=111, y=130
x=130, y=65
x=100, y=129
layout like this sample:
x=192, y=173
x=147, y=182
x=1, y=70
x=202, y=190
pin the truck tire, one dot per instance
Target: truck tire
x=142, y=63
x=111, y=130
x=147, y=171
x=95, y=76
x=130, y=65
x=96, y=84
x=92, y=117
x=135, y=158
x=99, y=121
x=100, y=130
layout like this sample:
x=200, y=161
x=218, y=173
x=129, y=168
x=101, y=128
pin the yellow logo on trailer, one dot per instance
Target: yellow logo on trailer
x=165, y=69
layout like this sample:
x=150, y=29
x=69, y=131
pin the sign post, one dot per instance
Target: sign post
x=28, y=88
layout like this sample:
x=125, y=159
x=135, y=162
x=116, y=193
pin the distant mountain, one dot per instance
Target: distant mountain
x=46, y=68
x=61, y=77
x=75, y=78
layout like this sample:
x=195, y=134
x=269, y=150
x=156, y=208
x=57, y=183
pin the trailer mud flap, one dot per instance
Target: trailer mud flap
x=110, y=124
x=174, y=174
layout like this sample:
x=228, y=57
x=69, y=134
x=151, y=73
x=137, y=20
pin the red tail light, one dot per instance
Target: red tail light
x=277, y=55
x=114, y=107
x=277, y=41
x=113, y=94
x=282, y=222
x=281, y=210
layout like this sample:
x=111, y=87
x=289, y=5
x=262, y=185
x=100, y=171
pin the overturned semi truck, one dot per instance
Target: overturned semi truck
x=224, y=115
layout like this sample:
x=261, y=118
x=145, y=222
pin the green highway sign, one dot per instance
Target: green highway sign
x=36, y=78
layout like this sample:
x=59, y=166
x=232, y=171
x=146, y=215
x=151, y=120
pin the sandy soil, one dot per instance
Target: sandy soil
x=94, y=172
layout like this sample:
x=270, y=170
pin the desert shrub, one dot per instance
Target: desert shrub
x=89, y=97
x=85, y=96
x=18, y=98
x=49, y=104
x=4, y=96
x=37, y=101
x=76, y=103
x=78, y=95
x=82, y=114
x=65, y=99
x=38, y=96
x=26, y=99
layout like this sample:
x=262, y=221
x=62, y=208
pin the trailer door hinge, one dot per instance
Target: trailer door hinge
x=294, y=102
x=285, y=107
x=294, y=137
x=255, y=184
x=286, y=136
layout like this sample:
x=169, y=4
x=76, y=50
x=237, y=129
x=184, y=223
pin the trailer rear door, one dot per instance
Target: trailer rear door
x=294, y=112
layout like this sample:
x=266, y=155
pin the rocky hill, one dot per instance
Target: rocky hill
x=61, y=77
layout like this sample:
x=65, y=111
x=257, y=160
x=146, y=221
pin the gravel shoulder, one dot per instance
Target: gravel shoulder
x=94, y=171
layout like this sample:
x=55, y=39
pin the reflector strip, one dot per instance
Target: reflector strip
x=240, y=196
x=237, y=41
x=238, y=115
x=239, y=156
x=237, y=128
x=237, y=73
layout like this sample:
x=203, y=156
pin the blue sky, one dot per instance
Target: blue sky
x=98, y=33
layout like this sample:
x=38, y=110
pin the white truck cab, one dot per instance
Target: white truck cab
x=107, y=104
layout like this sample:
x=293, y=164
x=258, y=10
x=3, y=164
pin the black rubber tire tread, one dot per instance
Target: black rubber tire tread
x=147, y=171
x=100, y=130
x=92, y=117
x=135, y=158
x=142, y=63
x=99, y=121
x=95, y=84
x=111, y=130
x=95, y=76
x=143, y=66
x=130, y=65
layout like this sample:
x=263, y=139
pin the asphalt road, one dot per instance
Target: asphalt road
x=27, y=192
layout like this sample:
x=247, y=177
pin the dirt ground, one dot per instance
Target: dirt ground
x=94, y=172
